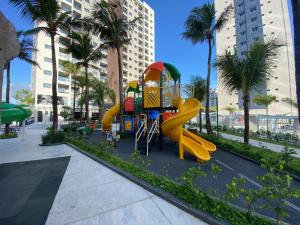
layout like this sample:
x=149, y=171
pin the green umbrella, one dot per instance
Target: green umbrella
x=12, y=112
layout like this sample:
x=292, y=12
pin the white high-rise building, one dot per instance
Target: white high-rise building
x=254, y=20
x=136, y=56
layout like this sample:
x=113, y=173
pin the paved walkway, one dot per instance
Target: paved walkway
x=273, y=147
x=91, y=194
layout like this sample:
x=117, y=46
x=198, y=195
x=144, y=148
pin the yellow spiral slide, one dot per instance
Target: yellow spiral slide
x=109, y=117
x=188, y=142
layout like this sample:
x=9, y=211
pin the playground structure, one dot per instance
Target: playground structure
x=161, y=107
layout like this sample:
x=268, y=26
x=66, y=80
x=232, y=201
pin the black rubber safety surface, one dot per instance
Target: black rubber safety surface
x=28, y=189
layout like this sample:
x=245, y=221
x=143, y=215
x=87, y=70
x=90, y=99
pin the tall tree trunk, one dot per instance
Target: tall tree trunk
x=120, y=88
x=207, y=117
x=100, y=106
x=54, y=84
x=7, y=91
x=267, y=112
x=200, y=120
x=74, y=98
x=1, y=83
x=296, y=19
x=81, y=105
x=86, y=97
x=246, y=100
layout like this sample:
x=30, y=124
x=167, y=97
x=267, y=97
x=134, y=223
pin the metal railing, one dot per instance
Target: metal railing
x=142, y=129
x=154, y=129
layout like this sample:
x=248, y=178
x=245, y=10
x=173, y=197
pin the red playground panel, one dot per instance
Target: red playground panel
x=129, y=104
x=168, y=115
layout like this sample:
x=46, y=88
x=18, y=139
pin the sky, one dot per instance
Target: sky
x=170, y=47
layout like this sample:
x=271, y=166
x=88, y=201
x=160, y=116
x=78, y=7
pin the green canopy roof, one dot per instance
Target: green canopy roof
x=12, y=112
x=175, y=74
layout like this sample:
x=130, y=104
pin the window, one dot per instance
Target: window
x=253, y=19
x=47, y=85
x=242, y=43
x=254, y=28
x=77, y=5
x=48, y=72
x=47, y=46
x=252, y=9
x=242, y=14
x=255, y=38
x=66, y=7
x=46, y=59
x=242, y=23
x=243, y=32
x=240, y=5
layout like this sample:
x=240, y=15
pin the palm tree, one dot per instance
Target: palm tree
x=24, y=96
x=26, y=48
x=199, y=93
x=296, y=19
x=73, y=69
x=80, y=83
x=201, y=26
x=100, y=91
x=230, y=109
x=46, y=12
x=114, y=30
x=83, y=49
x=291, y=102
x=265, y=100
x=248, y=73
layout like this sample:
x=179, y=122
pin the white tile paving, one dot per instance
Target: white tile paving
x=91, y=194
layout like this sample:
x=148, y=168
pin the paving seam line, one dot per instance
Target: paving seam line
x=256, y=162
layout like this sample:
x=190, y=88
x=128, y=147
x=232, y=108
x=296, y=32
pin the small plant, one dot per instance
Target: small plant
x=9, y=135
x=189, y=177
x=277, y=187
x=287, y=154
x=250, y=196
x=137, y=160
x=216, y=170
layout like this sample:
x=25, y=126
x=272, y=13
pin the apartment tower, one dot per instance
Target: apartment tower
x=135, y=57
x=261, y=20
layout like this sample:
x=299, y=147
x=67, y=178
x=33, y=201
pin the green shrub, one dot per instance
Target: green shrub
x=253, y=152
x=53, y=137
x=72, y=127
x=9, y=135
x=195, y=198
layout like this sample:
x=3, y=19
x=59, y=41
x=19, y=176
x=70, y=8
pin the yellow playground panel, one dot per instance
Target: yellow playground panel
x=152, y=97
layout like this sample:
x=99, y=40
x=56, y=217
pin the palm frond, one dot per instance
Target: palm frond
x=223, y=18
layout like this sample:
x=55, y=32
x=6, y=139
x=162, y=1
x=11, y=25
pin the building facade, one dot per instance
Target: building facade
x=136, y=56
x=255, y=20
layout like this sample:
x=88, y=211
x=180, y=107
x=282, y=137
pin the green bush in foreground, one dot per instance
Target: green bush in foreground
x=253, y=152
x=194, y=197
x=9, y=135
x=53, y=137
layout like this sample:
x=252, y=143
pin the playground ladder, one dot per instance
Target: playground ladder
x=154, y=129
x=142, y=129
